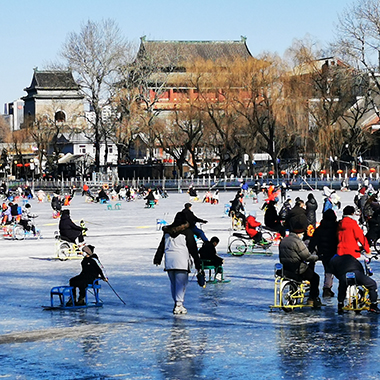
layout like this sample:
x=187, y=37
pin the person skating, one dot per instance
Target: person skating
x=180, y=249
x=90, y=272
x=193, y=219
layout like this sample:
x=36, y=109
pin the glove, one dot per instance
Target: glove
x=201, y=279
x=205, y=221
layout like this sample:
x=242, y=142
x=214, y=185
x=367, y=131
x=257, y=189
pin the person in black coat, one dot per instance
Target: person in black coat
x=149, y=198
x=325, y=242
x=272, y=219
x=102, y=196
x=56, y=203
x=311, y=208
x=68, y=229
x=237, y=208
x=340, y=266
x=193, y=219
x=90, y=272
x=373, y=227
x=297, y=217
x=208, y=252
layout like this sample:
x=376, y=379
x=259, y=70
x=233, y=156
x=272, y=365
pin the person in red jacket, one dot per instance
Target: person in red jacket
x=251, y=228
x=350, y=235
x=351, y=241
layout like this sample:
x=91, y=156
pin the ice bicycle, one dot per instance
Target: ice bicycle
x=240, y=243
x=65, y=249
x=16, y=231
x=357, y=296
x=289, y=294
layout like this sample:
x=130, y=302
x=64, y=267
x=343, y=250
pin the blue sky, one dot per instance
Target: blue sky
x=32, y=32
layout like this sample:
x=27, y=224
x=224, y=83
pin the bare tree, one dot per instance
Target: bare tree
x=181, y=137
x=5, y=129
x=95, y=55
x=261, y=103
x=329, y=87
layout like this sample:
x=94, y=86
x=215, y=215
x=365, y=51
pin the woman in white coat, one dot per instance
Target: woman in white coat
x=180, y=250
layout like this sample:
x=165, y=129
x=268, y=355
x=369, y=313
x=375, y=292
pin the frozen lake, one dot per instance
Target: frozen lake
x=228, y=333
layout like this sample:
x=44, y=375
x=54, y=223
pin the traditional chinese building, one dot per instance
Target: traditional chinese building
x=54, y=94
x=170, y=57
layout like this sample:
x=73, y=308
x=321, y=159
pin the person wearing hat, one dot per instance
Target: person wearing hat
x=90, y=272
x=180, y=250
x=298, y=262
x=192, y=220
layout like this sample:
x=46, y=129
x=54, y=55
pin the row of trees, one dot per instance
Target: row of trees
x=291, y=107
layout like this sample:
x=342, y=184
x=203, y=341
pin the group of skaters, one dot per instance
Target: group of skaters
x=125, y=193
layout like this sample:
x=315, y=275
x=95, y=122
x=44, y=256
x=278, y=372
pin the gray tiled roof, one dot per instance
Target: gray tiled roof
x=176, y=52
x=53, y=79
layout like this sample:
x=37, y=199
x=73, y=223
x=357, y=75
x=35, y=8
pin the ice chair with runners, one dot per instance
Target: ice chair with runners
x=61, y=297
x=215, y=273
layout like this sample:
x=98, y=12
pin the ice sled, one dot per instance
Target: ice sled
x=60, y=295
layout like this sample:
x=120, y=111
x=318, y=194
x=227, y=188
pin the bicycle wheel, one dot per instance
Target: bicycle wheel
x=359, y=298
x=376, y=245
x=268, y=236
x=288, y=289
x=63, y=251
x=237, y=247
x=19, y=233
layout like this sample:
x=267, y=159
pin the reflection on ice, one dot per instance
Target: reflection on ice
x=228, y=333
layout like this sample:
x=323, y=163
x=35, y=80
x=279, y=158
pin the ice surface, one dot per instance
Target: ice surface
x=228, y=333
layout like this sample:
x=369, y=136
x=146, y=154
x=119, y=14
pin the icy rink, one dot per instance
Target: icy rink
x=228, y=333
